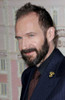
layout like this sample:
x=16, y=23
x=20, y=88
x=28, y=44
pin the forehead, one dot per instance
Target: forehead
x=28, y=23
x=29, y=17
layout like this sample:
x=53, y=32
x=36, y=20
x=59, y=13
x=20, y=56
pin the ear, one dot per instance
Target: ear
x=50, y=34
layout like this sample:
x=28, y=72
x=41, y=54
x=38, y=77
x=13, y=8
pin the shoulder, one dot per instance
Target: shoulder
x=61, y=70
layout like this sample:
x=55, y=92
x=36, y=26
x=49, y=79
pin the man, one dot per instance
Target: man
x=37, y=38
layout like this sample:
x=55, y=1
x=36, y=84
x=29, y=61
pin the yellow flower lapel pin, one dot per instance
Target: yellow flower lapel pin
x=51, y=74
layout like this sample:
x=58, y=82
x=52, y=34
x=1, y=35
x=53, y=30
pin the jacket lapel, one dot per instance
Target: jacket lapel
x=46, y=83
x=27, y=84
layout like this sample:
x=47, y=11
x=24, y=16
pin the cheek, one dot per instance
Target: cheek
x=37, y=44
x=20, y=45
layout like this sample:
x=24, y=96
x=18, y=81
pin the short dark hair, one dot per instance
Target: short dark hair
x=45, y=20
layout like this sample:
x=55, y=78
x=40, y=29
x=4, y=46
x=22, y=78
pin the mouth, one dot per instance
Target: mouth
x=29, y=53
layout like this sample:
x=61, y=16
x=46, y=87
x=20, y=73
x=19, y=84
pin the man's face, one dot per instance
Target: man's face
x=32, y=42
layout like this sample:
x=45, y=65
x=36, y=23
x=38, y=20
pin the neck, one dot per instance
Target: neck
x=48, y=54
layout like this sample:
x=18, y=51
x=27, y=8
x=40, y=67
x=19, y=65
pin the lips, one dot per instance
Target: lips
x=29, y=53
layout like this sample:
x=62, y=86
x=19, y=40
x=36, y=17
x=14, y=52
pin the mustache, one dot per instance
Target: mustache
x=28, y=50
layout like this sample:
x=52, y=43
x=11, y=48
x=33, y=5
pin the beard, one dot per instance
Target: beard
x=40, y=54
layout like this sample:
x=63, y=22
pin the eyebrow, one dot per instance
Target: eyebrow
x=18, y=37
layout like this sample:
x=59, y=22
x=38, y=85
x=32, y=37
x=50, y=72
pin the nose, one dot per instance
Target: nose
x=23, y=44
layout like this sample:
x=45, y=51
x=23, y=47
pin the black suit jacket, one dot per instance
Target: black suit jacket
x=48, y=88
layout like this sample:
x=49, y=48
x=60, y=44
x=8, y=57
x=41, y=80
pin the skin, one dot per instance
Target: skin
x=30, y=35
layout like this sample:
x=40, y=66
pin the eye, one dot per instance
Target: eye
x=31, y=35
x=18, y=38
